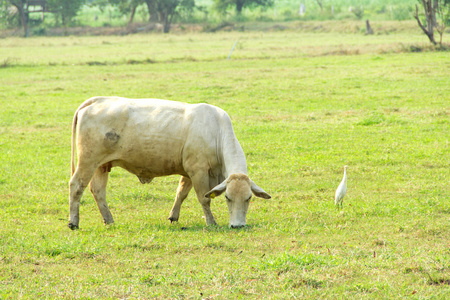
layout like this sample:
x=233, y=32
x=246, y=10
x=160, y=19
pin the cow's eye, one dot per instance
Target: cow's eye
x=248, y=198
x=228, y=199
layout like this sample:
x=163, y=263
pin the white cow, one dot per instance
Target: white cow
x=151, y=138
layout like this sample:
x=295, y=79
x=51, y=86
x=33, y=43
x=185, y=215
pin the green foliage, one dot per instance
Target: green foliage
x=300, y=111
x=118, y=12
x=162, y=11
x=187, y=7
x=358, y=11
x=167, y=10
x=7, y=18
x=223, y=5
x=402, y=12
x=124, y=6
x=65, y=10
x=435, y=18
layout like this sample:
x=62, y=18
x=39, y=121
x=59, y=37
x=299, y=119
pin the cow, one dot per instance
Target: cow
x=152, y=138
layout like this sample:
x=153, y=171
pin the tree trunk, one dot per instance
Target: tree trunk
x=442, y=12
x=166, y=26
x=133, y=11
x=320, y=4
x=239, y=6
x=24, y=18
x=368, y=28
x=435, y=9
x=166, y=22
x=430, y=16
x=20, y=5
x=152, y=11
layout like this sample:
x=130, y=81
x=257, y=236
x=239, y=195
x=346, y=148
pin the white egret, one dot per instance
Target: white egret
x=341, y=190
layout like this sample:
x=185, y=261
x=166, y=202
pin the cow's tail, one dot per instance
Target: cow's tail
x=74, y=129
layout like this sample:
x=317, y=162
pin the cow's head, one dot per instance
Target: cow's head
x=238, y=190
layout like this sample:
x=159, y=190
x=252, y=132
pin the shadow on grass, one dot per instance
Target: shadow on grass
x=437, y=281
x=205, y=228
x=175, y=227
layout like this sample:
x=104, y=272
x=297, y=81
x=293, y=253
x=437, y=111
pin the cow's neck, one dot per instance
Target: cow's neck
x=233, y=157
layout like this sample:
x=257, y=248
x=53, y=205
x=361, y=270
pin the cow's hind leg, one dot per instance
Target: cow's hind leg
x=98, y=190
x=77, y=185
x=184, y=187
x=201, y=186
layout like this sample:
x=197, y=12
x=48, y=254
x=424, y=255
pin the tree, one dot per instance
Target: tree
x=129, y=7
x=223, y=5
x=431, y=8
x=21, y=6
x=22, y=12
x=125, y=7
x=443, y=13
x=159, y=10
x=65, y=9
x=320, y=4
x=166, y=10
x=152, y=10
x=358, y=11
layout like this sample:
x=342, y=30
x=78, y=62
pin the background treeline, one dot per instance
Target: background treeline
x=37, y=16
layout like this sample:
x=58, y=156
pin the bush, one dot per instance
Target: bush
x=39, y=31
x=401, y=12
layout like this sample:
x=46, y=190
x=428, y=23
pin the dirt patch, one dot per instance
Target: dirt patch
x=98, y=31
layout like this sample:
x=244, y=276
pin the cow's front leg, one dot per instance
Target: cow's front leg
x=77, y=185
x=183, y=189
x=206, y=202
x=98, y=190
x=201, y=186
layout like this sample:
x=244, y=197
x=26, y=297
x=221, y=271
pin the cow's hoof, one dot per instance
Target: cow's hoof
x=237, y=226
x=73, y=226
x=171, y=219
x=110, y=222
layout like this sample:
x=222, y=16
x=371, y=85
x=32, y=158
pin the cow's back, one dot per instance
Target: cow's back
x=149, y=137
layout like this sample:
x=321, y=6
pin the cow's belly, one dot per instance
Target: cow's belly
x=151, y=158
x=150, y=169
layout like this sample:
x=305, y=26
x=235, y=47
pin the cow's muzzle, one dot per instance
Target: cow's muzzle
x=236, y=226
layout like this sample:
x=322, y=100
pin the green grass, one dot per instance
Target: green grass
x=301, y=110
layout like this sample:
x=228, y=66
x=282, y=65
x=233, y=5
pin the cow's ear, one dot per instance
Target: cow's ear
x=217, y=190
x=259, y=192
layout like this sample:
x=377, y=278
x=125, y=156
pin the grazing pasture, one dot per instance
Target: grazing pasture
x=303, y=105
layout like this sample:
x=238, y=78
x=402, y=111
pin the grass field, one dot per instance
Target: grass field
x=303, y=105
